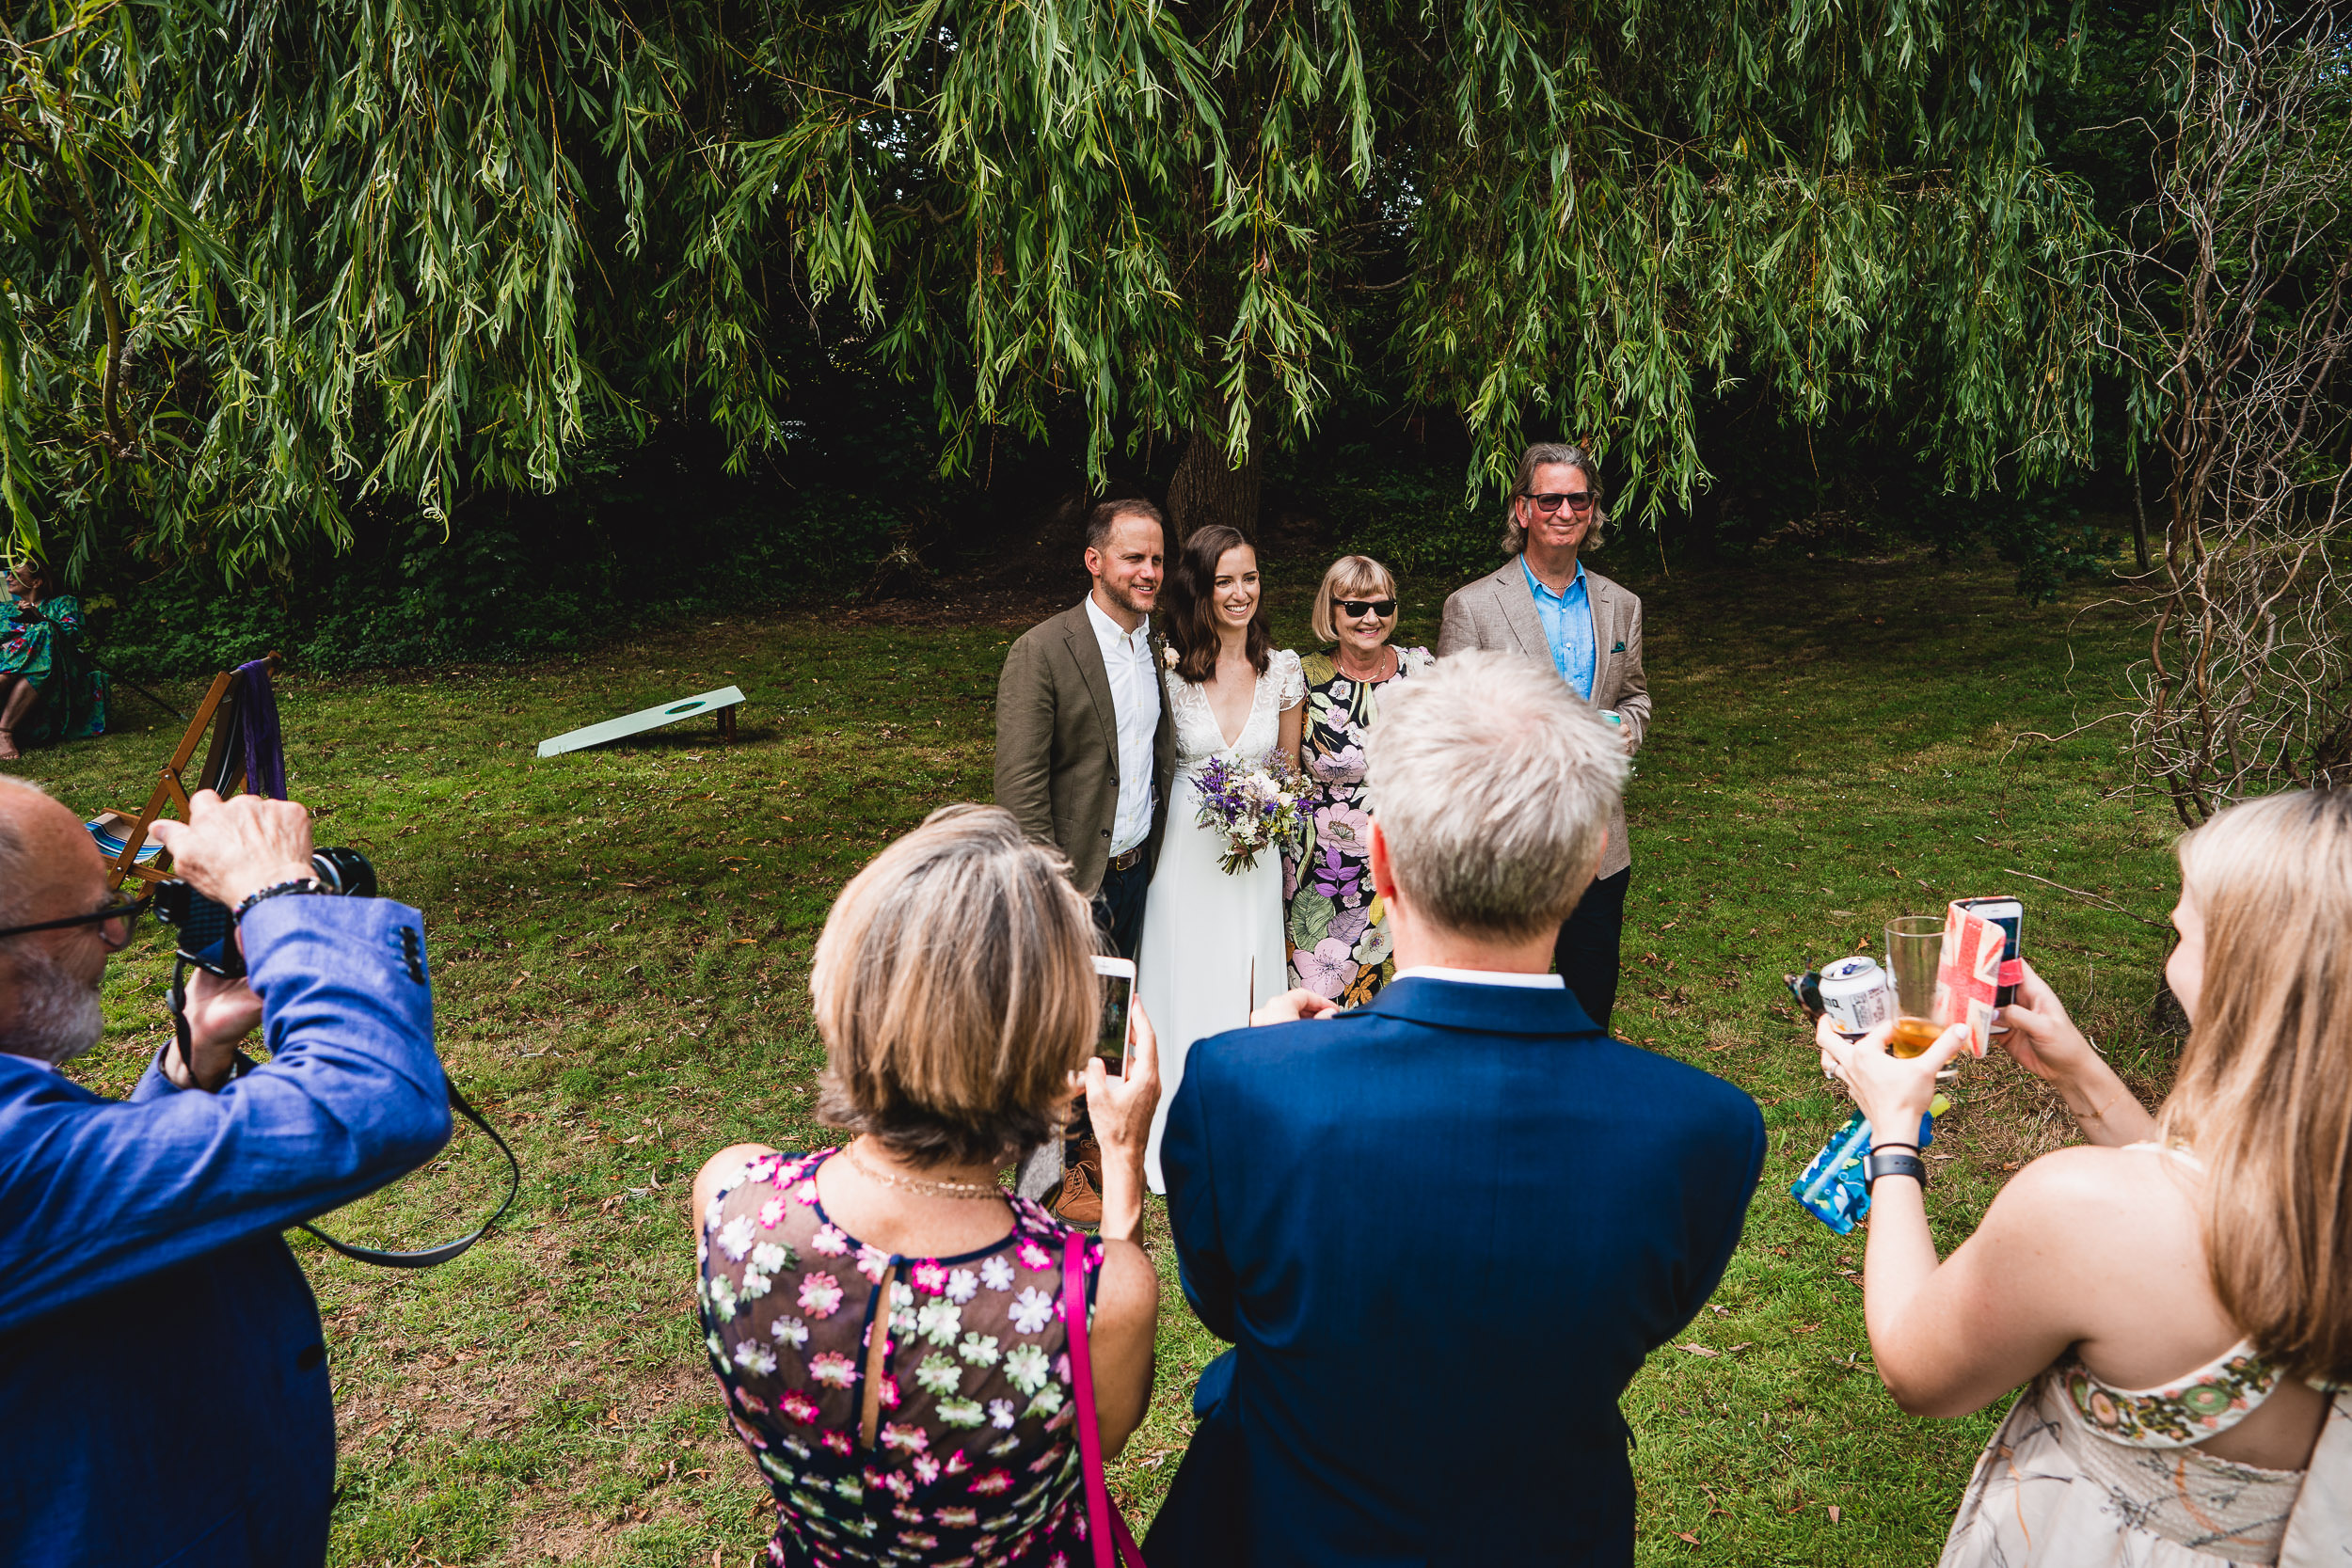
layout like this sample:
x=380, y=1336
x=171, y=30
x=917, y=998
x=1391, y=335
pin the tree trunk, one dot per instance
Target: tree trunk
x=2139, y=520
x=1206, y=489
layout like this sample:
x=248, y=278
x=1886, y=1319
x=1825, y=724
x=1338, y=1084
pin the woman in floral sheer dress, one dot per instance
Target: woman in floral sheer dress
x=885, y=1319
x=1339, y=932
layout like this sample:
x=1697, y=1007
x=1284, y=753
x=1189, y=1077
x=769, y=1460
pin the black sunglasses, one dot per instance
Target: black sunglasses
x=1551, y=500
x=125, y=910
x=1382, y=608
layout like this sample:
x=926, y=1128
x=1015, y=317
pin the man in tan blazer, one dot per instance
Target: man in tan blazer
x=1546, y=606
x=1086, y=756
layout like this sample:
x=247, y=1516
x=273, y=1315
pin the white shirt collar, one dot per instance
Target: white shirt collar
x=1108, y=631
x=1483, y=978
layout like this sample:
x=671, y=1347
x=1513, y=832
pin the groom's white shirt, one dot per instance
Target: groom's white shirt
x=1136, y=709
x=1482, y=977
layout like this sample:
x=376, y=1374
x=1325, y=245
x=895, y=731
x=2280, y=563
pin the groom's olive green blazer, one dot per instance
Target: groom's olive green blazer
x=1057, y=746
x=1498, y=613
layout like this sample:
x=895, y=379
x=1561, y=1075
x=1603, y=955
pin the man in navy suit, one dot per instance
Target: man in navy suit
x=1442, y=1231
x=163, y=1393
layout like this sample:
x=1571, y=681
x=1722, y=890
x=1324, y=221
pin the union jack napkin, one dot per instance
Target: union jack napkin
x=1969, y=974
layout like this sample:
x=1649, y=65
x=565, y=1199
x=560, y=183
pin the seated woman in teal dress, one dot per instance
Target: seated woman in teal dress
x=49, y=689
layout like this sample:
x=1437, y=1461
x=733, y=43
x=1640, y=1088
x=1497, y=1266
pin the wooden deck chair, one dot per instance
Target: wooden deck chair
x=223, y=772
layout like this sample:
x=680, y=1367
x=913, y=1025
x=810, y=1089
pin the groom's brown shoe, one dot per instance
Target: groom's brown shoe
x=1078, y=1202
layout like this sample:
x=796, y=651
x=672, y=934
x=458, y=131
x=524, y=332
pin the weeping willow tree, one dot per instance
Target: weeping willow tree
x=1205, y=223
x=260, y=263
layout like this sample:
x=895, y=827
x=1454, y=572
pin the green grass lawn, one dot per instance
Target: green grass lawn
x=620, y=941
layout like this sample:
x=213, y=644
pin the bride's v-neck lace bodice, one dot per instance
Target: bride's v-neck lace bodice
x=1283, y=686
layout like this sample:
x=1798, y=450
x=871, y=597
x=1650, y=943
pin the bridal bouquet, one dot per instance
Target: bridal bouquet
x=1253, y=809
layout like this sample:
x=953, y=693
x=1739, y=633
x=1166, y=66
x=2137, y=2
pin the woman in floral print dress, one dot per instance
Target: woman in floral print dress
x=886, y=1321
x=1339, y=937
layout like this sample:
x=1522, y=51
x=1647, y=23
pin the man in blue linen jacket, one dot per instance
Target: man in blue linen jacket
x=1442, y=1231
x=163, y=1393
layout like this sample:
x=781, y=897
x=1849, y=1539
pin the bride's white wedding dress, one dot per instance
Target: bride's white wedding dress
x=1213, y=945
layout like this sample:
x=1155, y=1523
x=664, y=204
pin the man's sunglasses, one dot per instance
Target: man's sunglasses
x=125, y=910
x=1382, y=608
x=1551, y=500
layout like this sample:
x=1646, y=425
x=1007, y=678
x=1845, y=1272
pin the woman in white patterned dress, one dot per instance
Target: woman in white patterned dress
x=1213, y=945
x=2180, y=1292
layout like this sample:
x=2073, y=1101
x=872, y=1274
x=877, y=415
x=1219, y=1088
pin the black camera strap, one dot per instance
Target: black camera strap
x=424, y=1257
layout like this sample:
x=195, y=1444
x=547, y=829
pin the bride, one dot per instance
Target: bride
x=1213, y=945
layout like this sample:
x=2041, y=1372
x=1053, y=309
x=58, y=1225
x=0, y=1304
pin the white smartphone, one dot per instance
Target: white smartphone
x=1118, y=979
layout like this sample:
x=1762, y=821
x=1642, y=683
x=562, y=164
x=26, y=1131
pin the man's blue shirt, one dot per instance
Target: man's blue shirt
x=1567, y=619
x=163, y=1393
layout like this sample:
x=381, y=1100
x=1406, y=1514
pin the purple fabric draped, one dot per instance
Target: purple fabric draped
x=264, y=745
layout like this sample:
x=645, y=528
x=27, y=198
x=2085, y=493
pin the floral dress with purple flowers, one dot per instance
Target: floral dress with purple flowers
x=976, y=1460
x=1339, y=932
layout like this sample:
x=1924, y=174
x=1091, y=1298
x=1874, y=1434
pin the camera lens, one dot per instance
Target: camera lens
x=345, y=871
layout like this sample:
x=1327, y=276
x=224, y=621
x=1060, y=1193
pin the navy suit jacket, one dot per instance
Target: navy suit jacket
x=164, y=1394
x=1443, y=1232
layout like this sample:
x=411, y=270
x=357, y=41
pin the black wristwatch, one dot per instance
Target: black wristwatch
x=299, y=885
x=1879, y=1164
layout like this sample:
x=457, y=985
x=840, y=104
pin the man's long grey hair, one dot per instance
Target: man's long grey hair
x=57, y=1017
x=1535, y=457
x=1493, y=785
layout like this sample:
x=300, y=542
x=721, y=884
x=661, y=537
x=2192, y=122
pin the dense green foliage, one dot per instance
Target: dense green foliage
x=268, y=263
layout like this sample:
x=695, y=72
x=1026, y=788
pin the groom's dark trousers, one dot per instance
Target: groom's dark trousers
x=1441, y=1233
x=1118, y=906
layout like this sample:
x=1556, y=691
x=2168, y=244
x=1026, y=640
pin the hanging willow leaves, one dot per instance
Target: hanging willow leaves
x=261, y=262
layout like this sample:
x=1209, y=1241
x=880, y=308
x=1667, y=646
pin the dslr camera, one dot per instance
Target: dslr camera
x=208, y=930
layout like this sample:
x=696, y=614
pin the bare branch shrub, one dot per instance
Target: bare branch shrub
x=2231, y=295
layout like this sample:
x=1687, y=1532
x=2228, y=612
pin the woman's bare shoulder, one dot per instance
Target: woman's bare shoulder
x=2107, y=1198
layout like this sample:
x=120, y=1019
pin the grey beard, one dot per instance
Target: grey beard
x=57, y=1017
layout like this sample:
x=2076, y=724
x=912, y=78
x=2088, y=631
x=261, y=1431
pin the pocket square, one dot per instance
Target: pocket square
x=1617, y=648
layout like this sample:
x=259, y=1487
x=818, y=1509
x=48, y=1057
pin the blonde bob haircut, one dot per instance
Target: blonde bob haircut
x=2263, y=1096
x=954, y=992
x=1351, y=577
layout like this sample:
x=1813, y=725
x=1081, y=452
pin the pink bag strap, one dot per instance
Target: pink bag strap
x=1106, y=1527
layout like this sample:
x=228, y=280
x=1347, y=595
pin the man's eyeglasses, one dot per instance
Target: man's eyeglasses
x=1551, y=500
x=1382, y=608
x=125, y=910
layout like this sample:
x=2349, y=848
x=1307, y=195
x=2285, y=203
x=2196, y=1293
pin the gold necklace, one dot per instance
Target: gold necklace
x=916, y=1183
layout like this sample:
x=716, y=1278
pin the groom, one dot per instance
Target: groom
x=1084, y=750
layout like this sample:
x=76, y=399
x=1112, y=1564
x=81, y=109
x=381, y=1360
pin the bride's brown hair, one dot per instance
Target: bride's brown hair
x=1192, y=604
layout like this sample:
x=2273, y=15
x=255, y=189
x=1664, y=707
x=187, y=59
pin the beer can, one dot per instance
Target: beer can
x=1855, y=995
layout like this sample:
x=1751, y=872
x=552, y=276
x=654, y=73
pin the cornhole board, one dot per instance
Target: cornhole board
x=722, y=702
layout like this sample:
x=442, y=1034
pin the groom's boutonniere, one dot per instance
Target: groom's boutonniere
x=1168, y=655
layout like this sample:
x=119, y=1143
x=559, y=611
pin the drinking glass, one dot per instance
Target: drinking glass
x=1914, y=951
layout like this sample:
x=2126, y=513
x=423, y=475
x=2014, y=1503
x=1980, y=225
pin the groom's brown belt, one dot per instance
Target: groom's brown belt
x=1129, y=861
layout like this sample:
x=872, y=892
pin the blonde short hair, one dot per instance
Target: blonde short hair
x=954, y=992
x=2264, y=1095
x=1351, y=577
x=1542, y=454
x=1492, y=784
